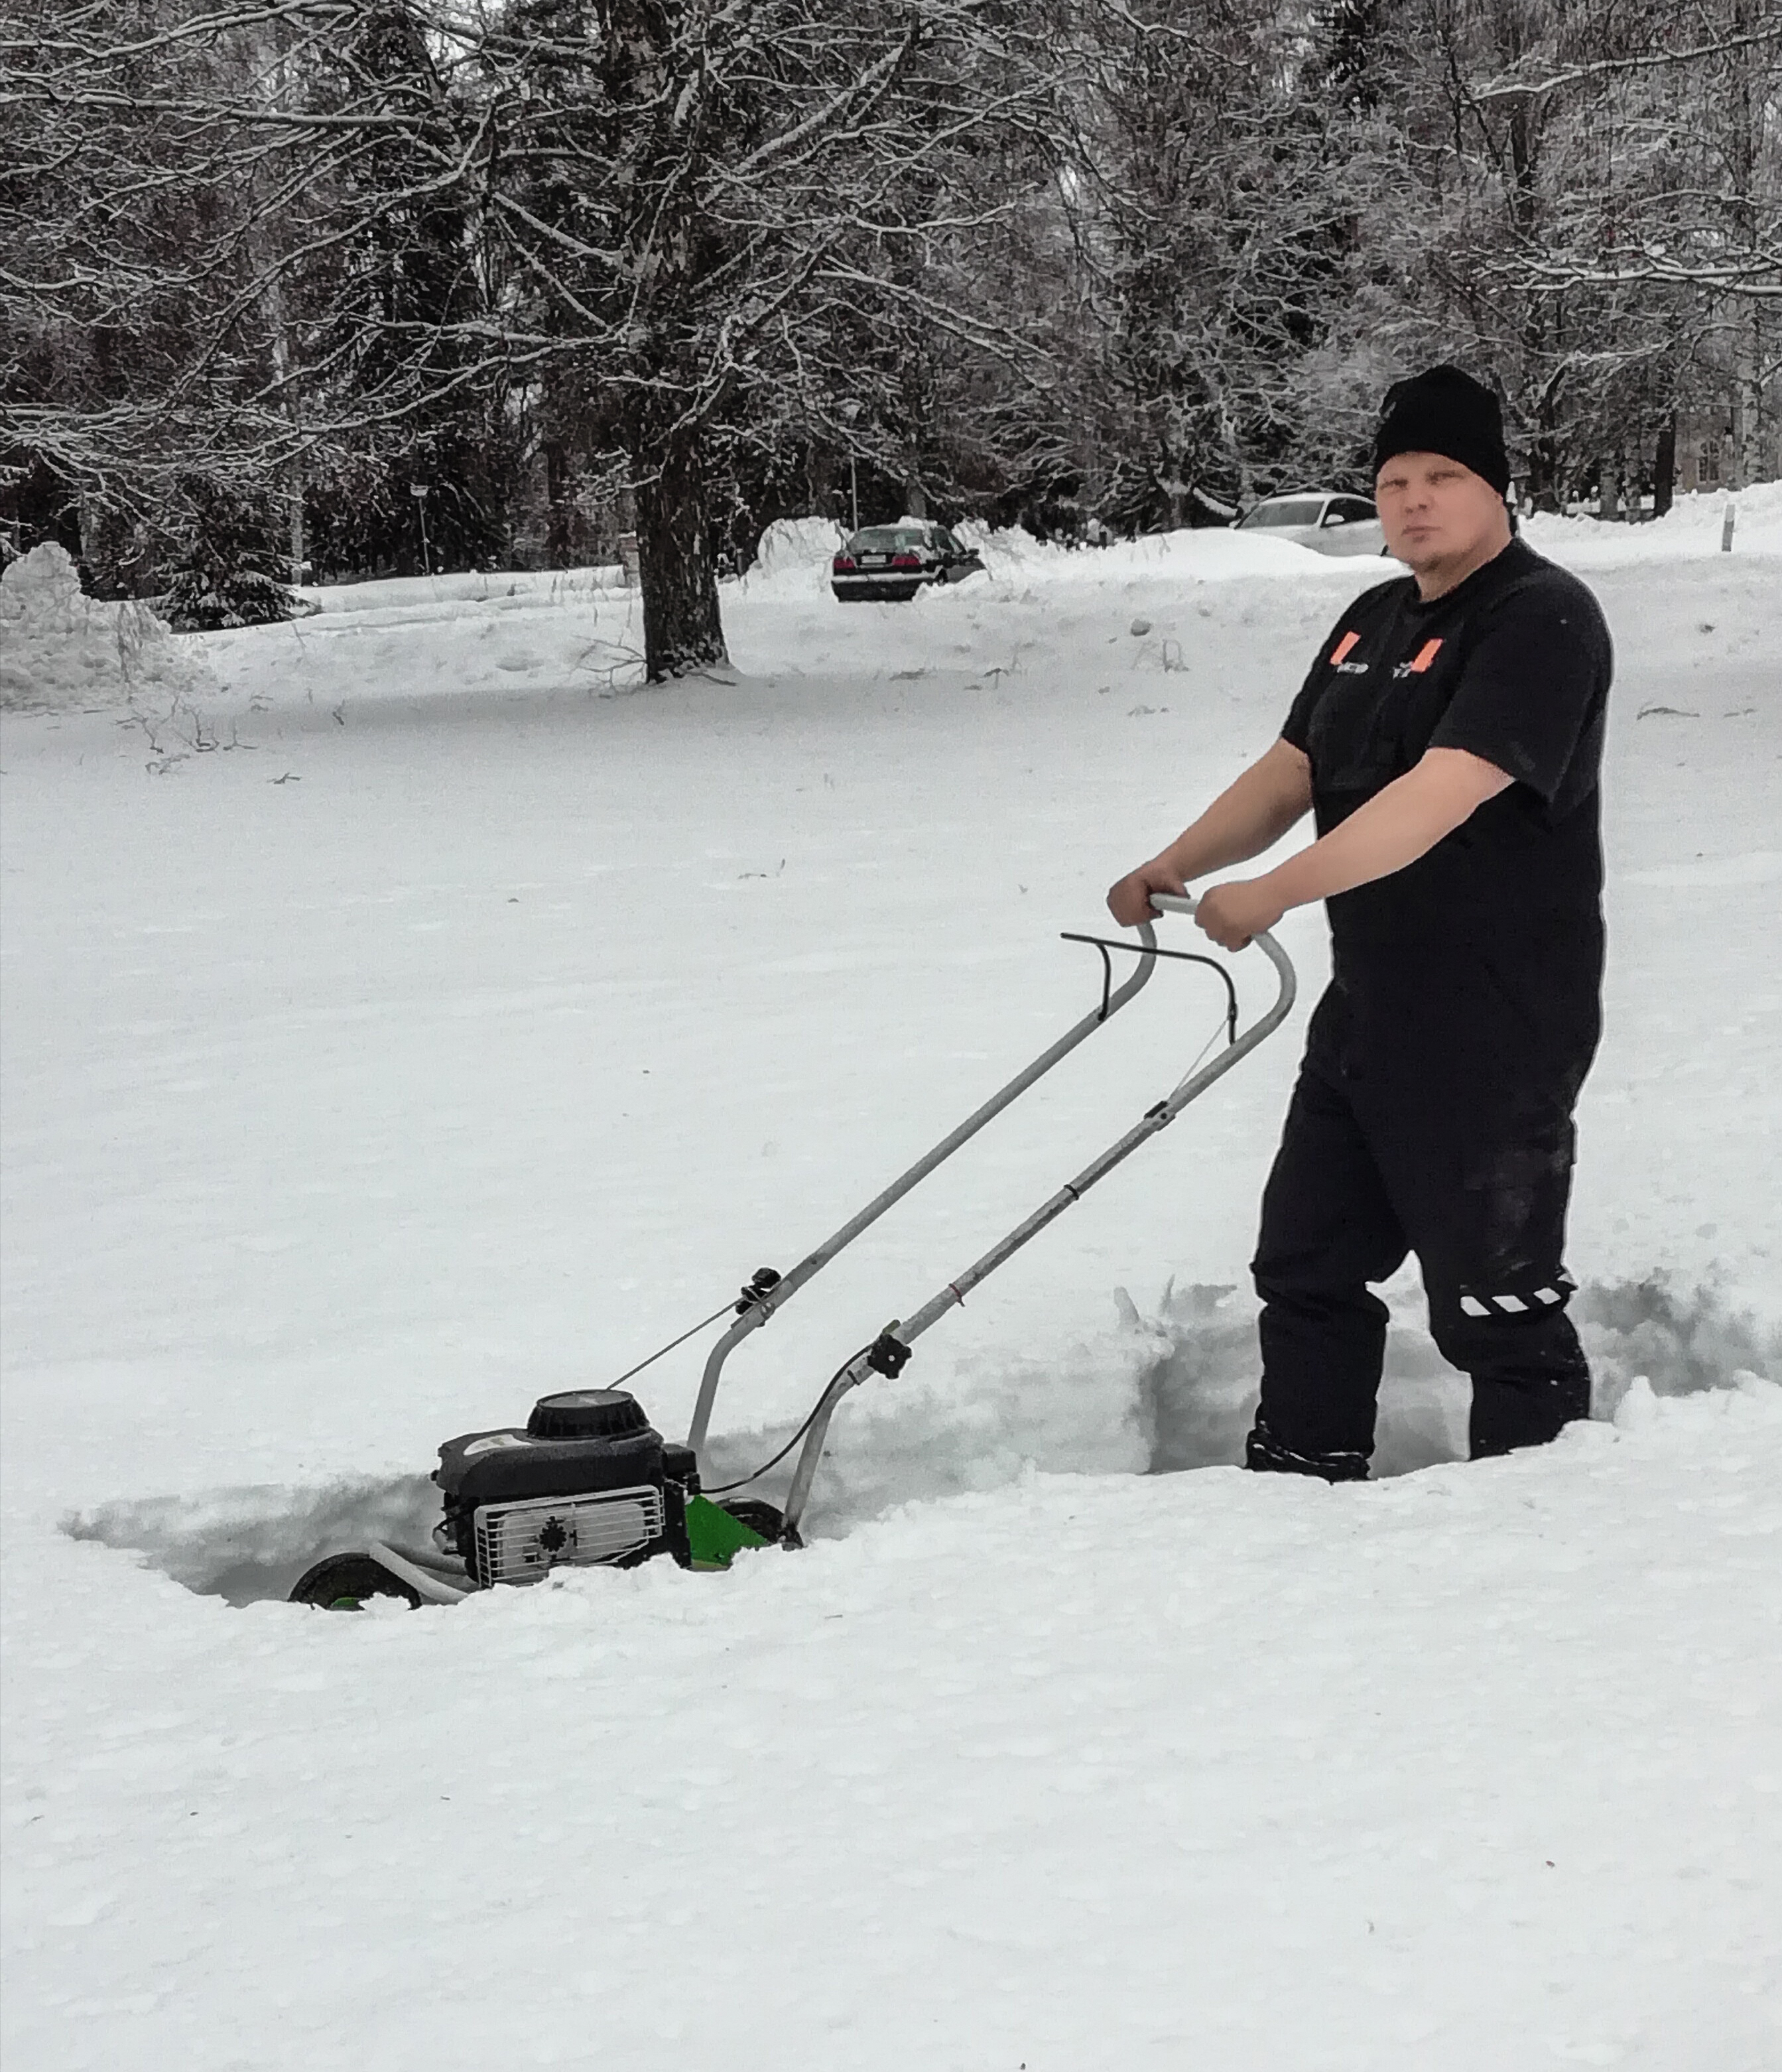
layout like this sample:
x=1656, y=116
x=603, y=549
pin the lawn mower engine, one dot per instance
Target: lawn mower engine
x=588, y=1481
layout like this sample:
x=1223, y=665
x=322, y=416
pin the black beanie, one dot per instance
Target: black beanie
x=1445, y=411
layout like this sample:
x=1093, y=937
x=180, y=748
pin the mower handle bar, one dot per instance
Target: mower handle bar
x=762, y=1305
x=762, y=1309
x=904, y=1334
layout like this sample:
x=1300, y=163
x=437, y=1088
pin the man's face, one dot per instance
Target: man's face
x=1435, y=511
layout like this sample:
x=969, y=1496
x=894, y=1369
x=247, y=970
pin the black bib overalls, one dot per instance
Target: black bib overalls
x=1433, y=1111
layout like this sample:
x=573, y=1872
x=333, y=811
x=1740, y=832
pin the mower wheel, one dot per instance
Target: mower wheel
x=342, y=1582
x=768, y=1520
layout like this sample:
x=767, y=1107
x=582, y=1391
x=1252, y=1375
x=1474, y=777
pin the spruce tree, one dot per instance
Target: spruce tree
x=226, y=568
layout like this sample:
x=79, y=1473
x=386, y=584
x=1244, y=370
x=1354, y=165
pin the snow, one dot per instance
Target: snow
x=504, y=593
x=419, y=1026
x=1466, y=1769
x=60, y=649
x=799, y=548
x=1691, y=527
x=1207, y=554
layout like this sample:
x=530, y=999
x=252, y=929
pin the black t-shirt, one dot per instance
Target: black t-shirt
x=1514, y=665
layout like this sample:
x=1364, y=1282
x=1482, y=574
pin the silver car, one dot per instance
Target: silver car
x=1328, y=520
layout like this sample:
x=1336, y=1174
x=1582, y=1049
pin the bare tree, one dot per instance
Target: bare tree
x=691, y=195
x=651, y=197
x=1148, y=255
x=1218, y=209
x=1601, y=202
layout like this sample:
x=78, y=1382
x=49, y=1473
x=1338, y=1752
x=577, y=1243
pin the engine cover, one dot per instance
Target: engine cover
x=519, y=1543
x=588, y=1482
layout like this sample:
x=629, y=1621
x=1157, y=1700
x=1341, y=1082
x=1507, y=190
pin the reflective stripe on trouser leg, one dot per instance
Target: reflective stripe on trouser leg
x=1530, y=1375
x=1532, y=1293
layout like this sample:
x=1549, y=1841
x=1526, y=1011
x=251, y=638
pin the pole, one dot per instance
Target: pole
x=418, y=491
x=300, y=560
x=854, y=489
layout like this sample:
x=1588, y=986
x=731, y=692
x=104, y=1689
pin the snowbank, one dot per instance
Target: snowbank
x=794, y=553
x=493, y=634
x=792, y=560
x=1690, y=529
x=797, y=543
x=60, y=649
x=1195, y=554
x=512, y=589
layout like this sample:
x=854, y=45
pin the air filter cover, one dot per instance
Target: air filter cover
x=587, y=1413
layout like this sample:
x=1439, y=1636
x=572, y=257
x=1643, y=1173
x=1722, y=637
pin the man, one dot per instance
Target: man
x=1448, y=742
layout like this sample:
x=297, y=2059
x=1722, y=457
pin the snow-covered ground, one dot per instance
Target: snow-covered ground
x=404, y=1024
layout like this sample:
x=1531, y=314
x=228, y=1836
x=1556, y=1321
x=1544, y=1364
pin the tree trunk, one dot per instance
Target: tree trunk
x=300, y=552
x=1664, y=473
x=1608, y=487
x=559, y=506
x=44, y=507
x=105, y=556
x=682, y=629
x=1543, y=474
x=1748, y=406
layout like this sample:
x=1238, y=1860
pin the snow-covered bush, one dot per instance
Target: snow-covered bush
x=61, y=650
x=226, y=571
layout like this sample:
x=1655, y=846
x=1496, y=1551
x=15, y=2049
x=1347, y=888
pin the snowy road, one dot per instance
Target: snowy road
x=407, y=1030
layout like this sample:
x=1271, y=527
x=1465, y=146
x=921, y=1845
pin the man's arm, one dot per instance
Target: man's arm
x=1248, y=817
x=1396, y=826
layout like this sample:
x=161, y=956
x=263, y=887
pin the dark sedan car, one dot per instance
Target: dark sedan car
x=895, y=561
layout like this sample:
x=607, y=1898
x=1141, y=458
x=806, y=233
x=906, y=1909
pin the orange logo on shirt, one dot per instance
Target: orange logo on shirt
x=1343, y=646
x=1425, y=655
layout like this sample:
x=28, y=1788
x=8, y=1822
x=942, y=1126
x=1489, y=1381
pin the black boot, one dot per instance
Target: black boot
x=1519, y=1409
x=1266, y=1454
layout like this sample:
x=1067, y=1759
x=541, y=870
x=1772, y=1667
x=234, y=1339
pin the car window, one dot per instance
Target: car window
x=1355, y=508
x=1284, y=510
x=887, y=539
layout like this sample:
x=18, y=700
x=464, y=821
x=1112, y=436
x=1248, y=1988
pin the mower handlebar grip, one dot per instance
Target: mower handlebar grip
x=1172, y=903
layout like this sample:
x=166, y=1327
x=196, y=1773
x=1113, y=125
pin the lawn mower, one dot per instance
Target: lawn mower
x=588, y=1482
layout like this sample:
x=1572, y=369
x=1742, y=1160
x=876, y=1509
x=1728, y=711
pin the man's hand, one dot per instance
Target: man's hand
x=1232, y=914
x=1129, y=901
x=1248, y=817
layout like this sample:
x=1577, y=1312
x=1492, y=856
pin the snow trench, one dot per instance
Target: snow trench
x=1164, y=1395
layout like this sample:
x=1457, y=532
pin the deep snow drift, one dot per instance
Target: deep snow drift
x=411, y=1026
x=59, y=648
